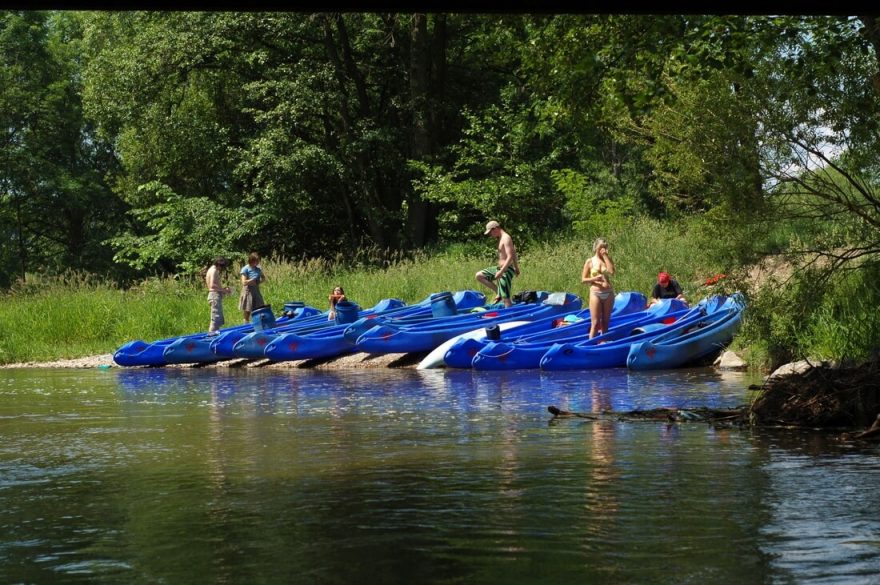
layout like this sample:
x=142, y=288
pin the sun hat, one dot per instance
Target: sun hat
x=491, y=226
x=663, y=278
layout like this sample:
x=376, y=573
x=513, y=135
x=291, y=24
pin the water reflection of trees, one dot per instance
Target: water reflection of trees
x=600, y=497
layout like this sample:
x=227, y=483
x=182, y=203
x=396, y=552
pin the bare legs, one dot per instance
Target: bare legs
x=607, y=305
x=600, y=314
x=481, y=278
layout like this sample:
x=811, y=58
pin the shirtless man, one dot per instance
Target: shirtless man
x=508, y=265
x=216, y=290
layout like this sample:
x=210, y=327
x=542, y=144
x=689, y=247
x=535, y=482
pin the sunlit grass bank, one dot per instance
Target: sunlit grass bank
x=791, y=318
x=77, y=315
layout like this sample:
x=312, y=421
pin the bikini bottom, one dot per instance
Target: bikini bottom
x=603, y=295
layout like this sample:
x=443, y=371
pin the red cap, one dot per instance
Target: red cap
x=663, y=278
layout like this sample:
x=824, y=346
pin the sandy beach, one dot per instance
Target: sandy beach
x=355, y=360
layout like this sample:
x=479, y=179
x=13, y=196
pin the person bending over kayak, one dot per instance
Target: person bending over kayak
x=666, y=288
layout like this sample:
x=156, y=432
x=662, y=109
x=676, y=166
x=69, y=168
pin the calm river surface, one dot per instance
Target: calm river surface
x=384, y=476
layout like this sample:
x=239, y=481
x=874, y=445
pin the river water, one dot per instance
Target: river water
x=386, y=476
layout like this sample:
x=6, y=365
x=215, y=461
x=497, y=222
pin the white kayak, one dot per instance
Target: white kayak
x=435, y=358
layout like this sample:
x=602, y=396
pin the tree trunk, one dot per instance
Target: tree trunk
x=426, y=54
x=340, y=55
x=22, y=249
x=419, y=76
x=871, y=32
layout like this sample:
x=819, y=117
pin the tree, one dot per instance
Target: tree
x=822, y=134
x=55, y=205
x=301, y=125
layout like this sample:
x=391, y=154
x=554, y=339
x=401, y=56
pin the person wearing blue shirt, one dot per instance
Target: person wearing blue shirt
x=251, y=277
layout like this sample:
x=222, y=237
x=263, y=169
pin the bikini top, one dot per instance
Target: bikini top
x=594, y=272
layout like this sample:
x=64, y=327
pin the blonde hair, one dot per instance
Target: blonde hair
x=598, y=244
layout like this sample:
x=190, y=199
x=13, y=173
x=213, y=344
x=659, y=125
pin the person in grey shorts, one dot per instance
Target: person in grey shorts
x=216, y=290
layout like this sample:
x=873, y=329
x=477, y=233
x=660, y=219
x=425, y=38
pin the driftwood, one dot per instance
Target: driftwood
x=823, y=398
x=666, y=414
x=872, y=433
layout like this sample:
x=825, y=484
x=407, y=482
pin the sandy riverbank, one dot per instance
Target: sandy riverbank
x=356, y=360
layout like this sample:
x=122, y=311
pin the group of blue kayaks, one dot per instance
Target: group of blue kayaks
x=547, y=330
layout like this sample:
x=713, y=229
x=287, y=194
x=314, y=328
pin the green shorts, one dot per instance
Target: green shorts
x=503, y=282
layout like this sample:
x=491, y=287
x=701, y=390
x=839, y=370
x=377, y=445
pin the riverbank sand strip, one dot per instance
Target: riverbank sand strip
x=353, y=360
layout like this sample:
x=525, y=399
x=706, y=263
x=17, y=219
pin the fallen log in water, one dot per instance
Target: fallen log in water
x=737, y=415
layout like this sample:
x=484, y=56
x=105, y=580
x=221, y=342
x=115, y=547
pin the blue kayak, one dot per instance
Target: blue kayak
x=464, y=301
x=252, y=345
x=140, y=353
x=574, y=324
x=687, y=343
x=328, y=339
x=611, y=349
x=426, y=335
x=223, y=344
x=526, y=352
x=200, y=349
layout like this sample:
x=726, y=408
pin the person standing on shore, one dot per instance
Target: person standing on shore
x=597, y=272
x=216, y=290
x=251, y=276
x=507, y=268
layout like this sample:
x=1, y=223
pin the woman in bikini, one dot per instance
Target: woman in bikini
x=596, y=273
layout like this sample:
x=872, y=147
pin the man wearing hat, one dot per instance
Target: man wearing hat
x=666, y=288
x=508, y=265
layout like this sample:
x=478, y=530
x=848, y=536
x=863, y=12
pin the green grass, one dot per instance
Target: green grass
x=78, y=315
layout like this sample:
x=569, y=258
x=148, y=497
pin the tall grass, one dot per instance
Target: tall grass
x=811, y=318
x=77, y=315
x=846, y=324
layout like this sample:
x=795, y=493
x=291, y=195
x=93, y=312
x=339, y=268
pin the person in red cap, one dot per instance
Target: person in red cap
x=666, y=288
